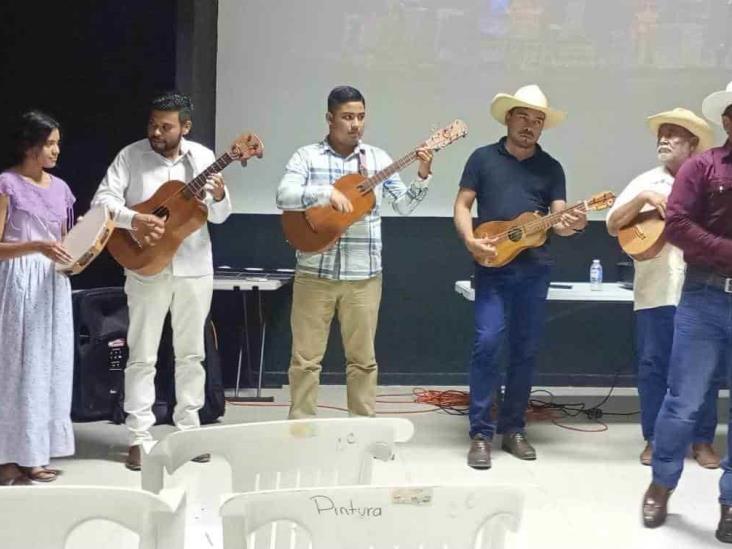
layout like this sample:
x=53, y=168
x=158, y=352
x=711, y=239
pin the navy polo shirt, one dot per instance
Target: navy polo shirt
x=506, y=187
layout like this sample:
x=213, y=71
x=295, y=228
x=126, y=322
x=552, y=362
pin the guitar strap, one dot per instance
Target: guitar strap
x=362, y=168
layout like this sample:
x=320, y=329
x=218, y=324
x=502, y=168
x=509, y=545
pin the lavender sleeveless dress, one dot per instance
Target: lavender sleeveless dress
x=36, y=329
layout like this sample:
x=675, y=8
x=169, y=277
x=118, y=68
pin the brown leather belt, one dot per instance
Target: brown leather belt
x=709, y=278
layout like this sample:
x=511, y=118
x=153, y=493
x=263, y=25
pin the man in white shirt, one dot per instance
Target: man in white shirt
x=658, y=281
x=184, y=287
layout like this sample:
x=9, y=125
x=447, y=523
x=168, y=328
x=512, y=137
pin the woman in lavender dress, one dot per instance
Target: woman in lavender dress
x=36, y=327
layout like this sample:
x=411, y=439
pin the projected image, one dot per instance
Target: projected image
x=423, y=63
x=668, y=34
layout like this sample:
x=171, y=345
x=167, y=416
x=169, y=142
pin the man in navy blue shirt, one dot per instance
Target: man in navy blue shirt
x=508, y=178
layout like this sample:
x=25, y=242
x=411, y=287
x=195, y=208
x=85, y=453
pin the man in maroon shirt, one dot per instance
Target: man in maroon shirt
x=699, y=221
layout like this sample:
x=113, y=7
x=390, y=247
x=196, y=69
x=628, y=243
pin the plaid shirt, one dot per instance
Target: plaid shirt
x=308, y=180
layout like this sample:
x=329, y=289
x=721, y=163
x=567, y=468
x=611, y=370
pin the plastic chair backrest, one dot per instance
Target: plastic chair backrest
x=374, y=517
x=282, y=454
x=46, y=516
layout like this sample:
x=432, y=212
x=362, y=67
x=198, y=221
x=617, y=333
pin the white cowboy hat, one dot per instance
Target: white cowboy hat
x=530, y=97
x=714, y=104
x=688, y=120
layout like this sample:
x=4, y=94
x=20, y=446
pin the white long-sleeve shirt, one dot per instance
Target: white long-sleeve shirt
x=134, y=176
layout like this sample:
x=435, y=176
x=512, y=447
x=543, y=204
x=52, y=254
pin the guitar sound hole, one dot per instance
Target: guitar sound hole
x=514, y=235
x=161, y=212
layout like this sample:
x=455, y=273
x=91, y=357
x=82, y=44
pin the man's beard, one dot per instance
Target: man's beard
x=163, y=147
x=673, y=158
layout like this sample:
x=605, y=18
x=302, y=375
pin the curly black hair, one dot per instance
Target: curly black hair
x=173, y=101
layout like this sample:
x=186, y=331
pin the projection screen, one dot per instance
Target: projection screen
x=422, y=63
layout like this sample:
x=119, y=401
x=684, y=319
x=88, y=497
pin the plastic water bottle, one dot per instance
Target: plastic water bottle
x=596, y=275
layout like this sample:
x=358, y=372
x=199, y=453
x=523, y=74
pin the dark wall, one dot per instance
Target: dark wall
x=94, y=65
x=196, y=35
x=425, y=327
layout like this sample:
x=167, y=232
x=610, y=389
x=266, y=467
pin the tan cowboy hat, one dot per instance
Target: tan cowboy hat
x=530, y=97
x=715, y=104
x=688, y=120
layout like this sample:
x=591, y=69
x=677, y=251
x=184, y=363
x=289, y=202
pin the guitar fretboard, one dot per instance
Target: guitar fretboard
x=195, y=186
x=548, y=221
x=382, y=175
x=542, y=224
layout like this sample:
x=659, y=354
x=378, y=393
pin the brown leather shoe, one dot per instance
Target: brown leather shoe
x=479, y=455
x=133, y=461
x=655, y=505
x=646, y=456
x=518, y=445
x=724, y=529
x=705, y=455
x=203, y=458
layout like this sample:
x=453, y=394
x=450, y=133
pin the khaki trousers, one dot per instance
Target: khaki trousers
x=314, y=302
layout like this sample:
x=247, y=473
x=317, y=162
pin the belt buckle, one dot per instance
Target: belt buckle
x=728, y=285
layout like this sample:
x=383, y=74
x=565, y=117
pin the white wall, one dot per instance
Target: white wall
x=422, y=63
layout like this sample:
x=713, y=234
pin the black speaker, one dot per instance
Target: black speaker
x=100, y=352
x=100, y=326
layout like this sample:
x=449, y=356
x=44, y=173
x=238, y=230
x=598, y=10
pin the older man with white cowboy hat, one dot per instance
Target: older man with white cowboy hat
x=699, y=221
x=508, y=178
x=657, y=287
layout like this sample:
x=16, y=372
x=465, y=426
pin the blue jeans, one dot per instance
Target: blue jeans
x=510, y=298
x=655, y=334
x=702, y=340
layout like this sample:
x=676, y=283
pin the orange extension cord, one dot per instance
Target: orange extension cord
x=456, y=402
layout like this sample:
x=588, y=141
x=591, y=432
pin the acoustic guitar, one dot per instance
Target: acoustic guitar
x=182, y=208
x=319, y=227
x=643, y=237
x=528, y=230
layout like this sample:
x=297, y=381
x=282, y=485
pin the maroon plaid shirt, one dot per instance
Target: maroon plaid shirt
x=699, y=213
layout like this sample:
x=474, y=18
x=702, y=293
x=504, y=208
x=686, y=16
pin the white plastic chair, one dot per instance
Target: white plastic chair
x=44, y=517
x=375, y=517
x=282, y=454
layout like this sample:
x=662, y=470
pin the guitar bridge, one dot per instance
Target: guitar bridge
x=639, y=232
x=312, y=225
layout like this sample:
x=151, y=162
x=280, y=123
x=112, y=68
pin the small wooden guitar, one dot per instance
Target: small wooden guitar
x=643, y=238
x=528, y=230
x=317, y=229
x=181, y=206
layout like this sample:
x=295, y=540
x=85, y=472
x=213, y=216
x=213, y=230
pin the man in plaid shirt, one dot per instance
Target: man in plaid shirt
x=346, y=277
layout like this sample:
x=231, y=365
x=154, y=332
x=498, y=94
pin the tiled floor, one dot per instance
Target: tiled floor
x=584, y=490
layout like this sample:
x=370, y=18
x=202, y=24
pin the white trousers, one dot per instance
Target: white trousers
x=149, y=298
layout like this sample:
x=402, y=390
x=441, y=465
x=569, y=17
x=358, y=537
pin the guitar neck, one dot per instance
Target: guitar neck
x=382, y=175
x=548, y=221
x=195, y=186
